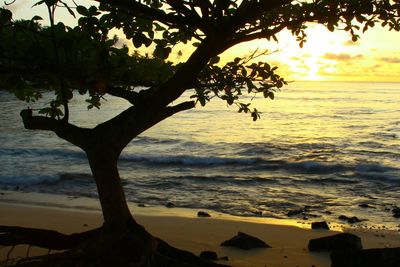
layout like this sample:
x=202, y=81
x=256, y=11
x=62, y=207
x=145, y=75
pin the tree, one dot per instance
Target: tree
x=86, y=60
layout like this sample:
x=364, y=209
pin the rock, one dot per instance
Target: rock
x=396, y=212
x=319, y=225
x=141, y=205
x=170, y=205
x=338, y=242
x=382, y=257
x=365, y=205
x=209, y=255
x=224, y=258
x=298, y=211
x=350, y=220
x=245, y=241
x=203, y=214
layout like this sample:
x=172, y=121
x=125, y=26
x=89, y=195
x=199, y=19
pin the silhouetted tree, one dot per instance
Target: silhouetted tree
x=84, y=59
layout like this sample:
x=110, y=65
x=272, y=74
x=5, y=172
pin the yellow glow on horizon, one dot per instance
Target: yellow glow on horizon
x=331, y=56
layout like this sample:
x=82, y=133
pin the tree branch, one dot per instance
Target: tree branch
x=180, y=107
x=69, y=132
x=131, y=96
x=180, y=7
x=250, y=11
x=15, y=235
x=143, y=10
x=258, y=35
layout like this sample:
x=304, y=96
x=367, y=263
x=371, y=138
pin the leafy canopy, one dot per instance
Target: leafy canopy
x=87, y=59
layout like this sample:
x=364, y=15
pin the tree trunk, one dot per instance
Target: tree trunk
x=116, y=213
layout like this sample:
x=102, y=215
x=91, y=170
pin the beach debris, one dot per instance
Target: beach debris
x=350, y=220
x=245, y=241
x=209, y=255
x=320, y=225
x=170, y=205
x=382, y=257
x=338, y=242
x=203, y=214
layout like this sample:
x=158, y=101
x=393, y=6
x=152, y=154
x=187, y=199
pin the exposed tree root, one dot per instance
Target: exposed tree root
x=133, y=246
x=14, y=235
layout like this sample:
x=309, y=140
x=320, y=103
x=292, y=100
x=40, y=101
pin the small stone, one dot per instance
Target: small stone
x=141, y=205
x=209, y=255
x=350, y=220
x=203, y=214
x=295, y=212
x=85, y=225
x=224, y=258
x=170, y=205
x=319, y=225
x=245, y=241
x=365, y=205
x=396, y=212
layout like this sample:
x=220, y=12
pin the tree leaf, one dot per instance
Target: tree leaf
x=37, y=18
x=5, y=16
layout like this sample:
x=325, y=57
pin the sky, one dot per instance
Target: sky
x=326, y=56
x=334, y=57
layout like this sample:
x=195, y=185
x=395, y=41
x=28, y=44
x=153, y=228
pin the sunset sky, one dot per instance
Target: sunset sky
x=325, y=55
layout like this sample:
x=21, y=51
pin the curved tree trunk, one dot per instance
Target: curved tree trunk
x=115, y=210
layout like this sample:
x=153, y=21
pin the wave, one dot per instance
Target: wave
x=37, y=152
x=246, y=164
x=16, y=181
x=199, y=161
x=47, y=180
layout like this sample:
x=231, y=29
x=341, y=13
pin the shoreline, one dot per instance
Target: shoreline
x=183, y=229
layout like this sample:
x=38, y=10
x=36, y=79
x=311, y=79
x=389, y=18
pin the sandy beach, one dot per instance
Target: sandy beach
x=186, y=231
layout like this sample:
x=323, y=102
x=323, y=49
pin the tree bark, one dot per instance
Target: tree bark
x=115, y=209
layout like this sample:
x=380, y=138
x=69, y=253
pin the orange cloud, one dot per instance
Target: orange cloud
x=341, y=56
x=392, y=60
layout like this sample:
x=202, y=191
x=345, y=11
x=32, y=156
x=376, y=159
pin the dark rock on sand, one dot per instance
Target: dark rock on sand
x=203, y=214
x=209, y=255
x=170, y=205
x=298, y=211
x=319, y=225
x=382, y=257
x=350, y=220
x=245, y=241
x=338, y=242
x=224, y=258
x=396, y=212
x=365, y=205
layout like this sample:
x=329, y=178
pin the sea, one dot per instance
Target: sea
x=320, y=151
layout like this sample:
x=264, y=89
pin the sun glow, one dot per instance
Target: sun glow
x=331, y=55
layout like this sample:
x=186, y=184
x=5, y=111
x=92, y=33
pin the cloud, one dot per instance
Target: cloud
x=342, y=57
x=393, y=60
x=351, y=43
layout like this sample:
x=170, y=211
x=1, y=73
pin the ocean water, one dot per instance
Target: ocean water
x=320, y=150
